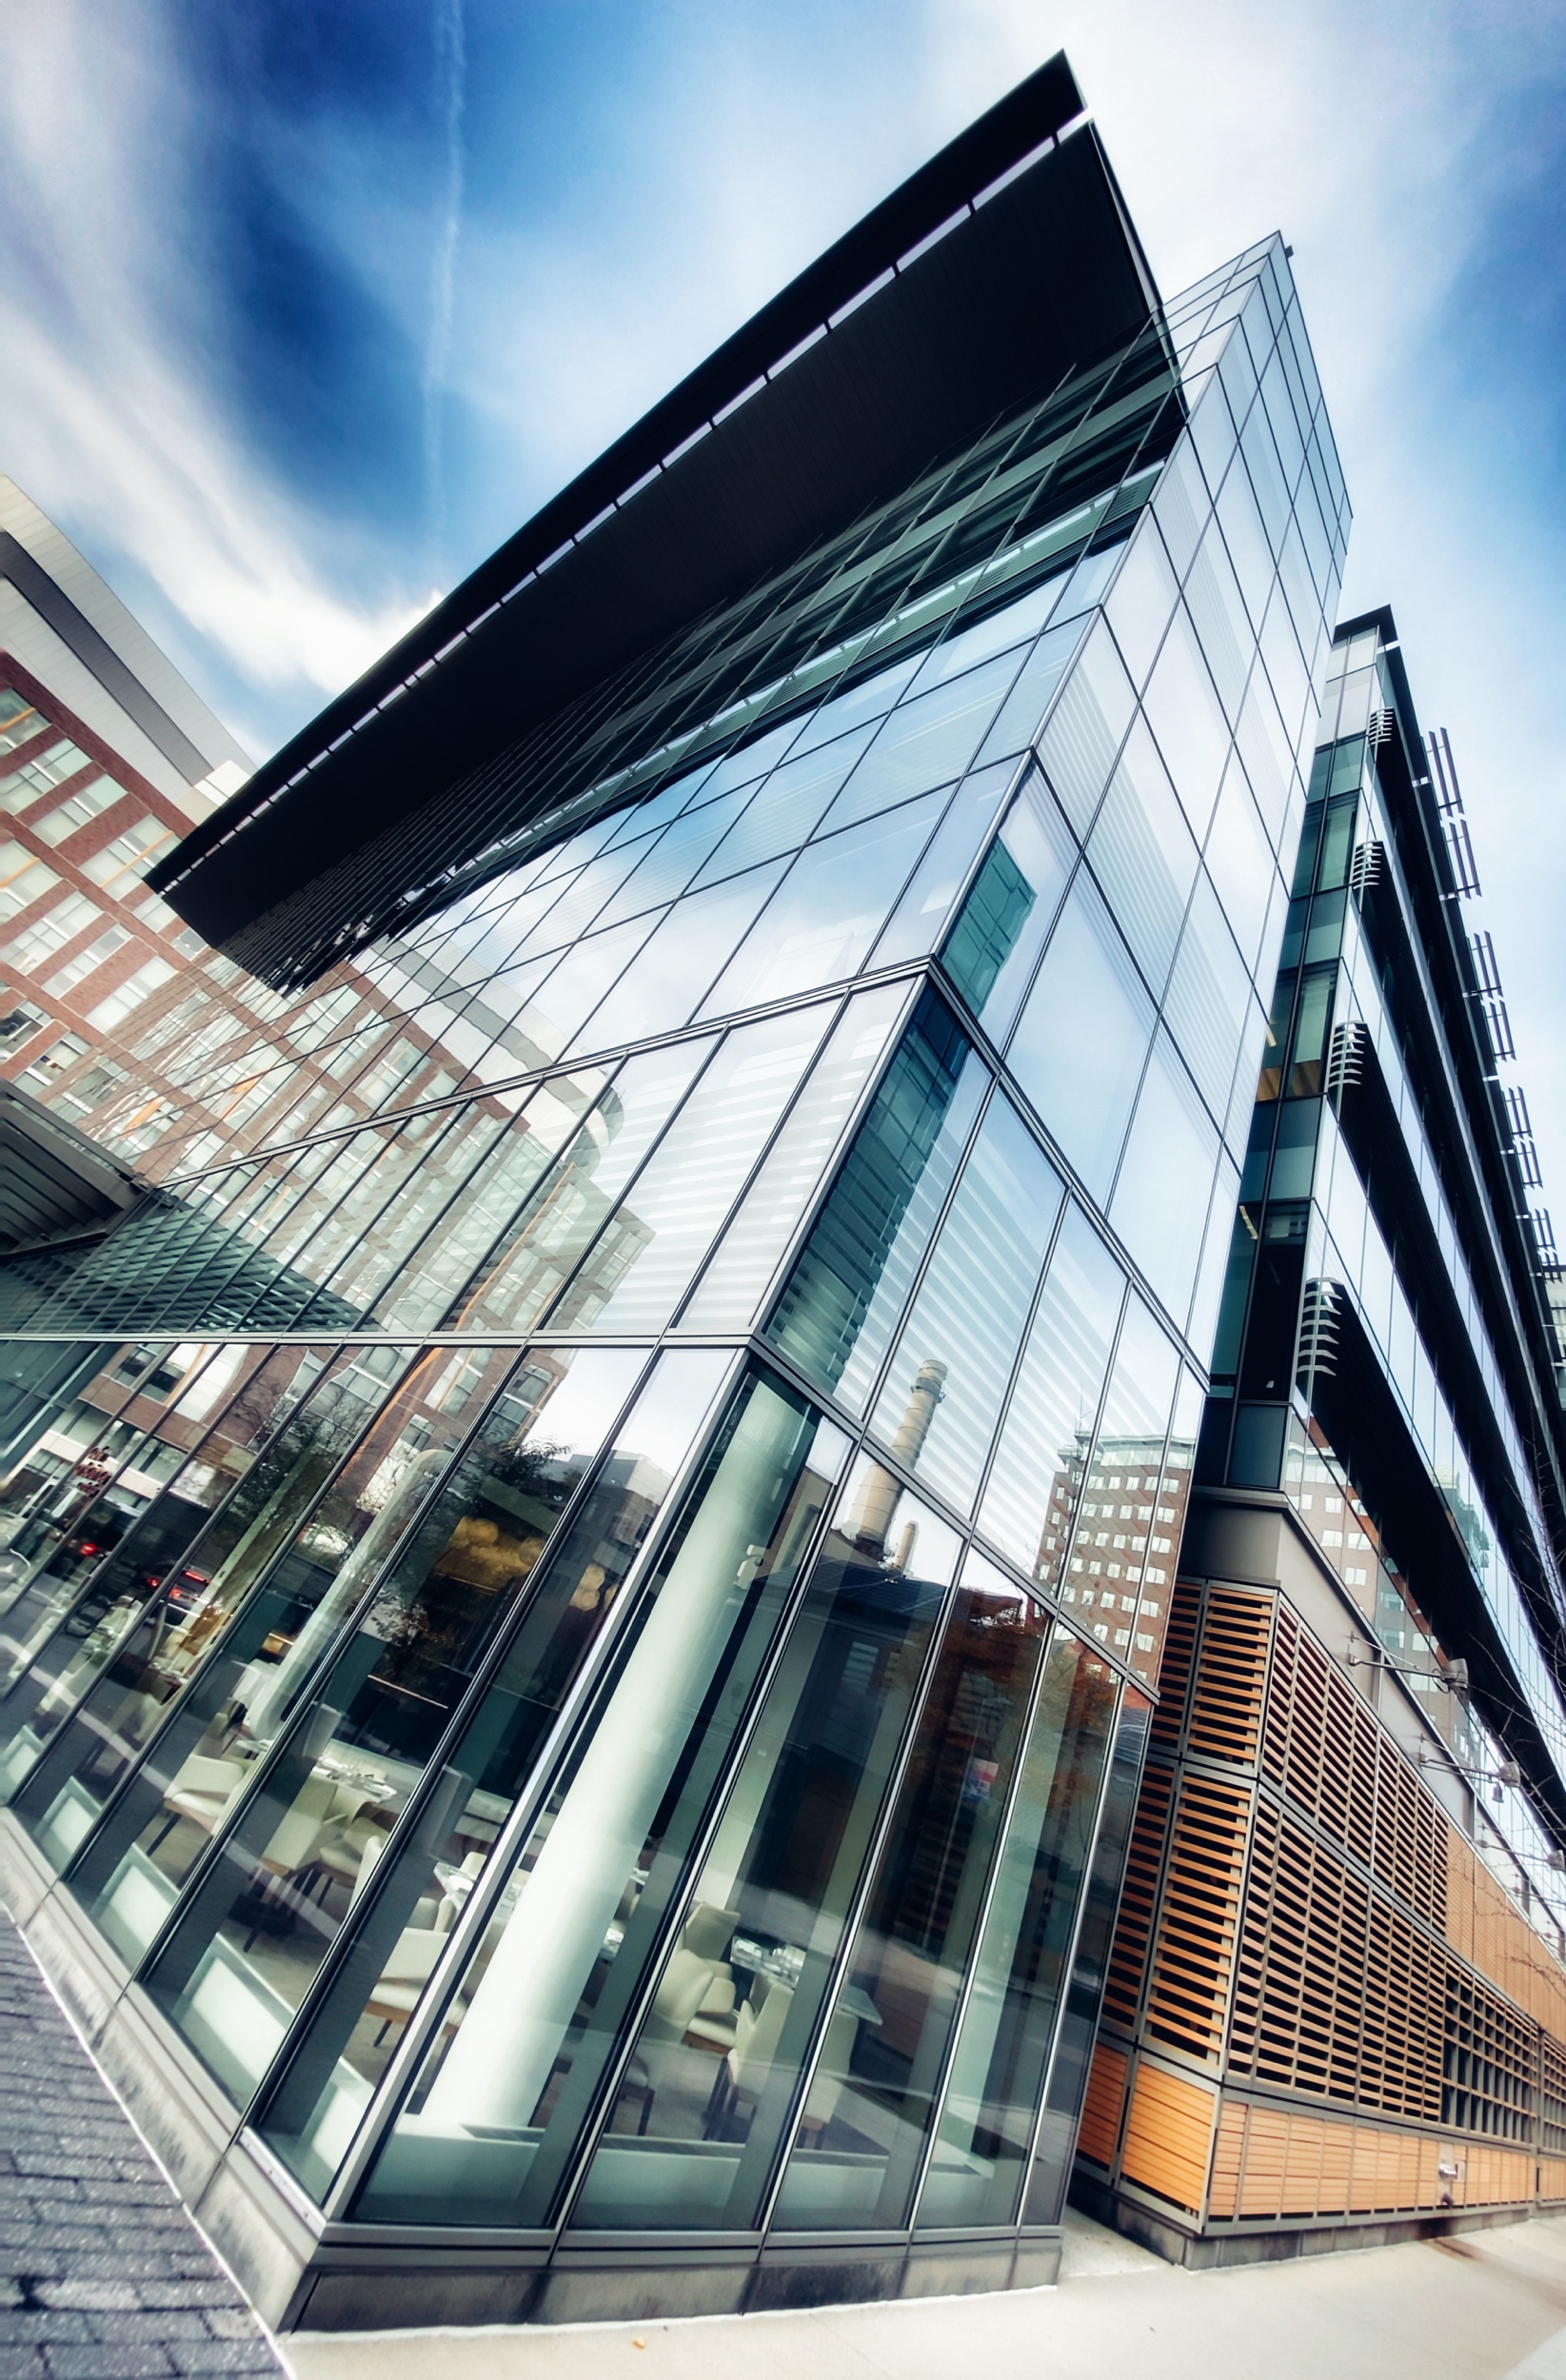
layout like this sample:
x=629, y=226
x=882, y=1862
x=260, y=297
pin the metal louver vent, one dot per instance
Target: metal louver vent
x=1453, y=822
x=1346, y=1059
x=1318, y=1334
x=1522, y=1137
x=1491, y=998
x=1365, y=869
x=1378, y=726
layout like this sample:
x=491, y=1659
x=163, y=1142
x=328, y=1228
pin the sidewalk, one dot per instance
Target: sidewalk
x=103, y=2275
x=1485, y=2306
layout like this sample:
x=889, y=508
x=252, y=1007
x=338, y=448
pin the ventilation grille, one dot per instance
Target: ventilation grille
x=1552, y=2094
x=1231, y=1676
x=1366, y=868
x=1485, y=1928
x=1099, y=2132
x=1522, y=1137
x=1128, y=1961
x=1492, y=998
x=1179, y=1646
x=1489, y=2066
x=1454, y=821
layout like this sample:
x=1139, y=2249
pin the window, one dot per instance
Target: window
x=19, y=722
x=944, y=1386
x=80, y=808
x=72, y=916
x=692, y=2137
x=845, y=1294
x=18, y=1023
x=1078, y=1049
x=41, y=775
x=557, y=1972
x=87, y=962
x=23, y=879
x=118, y=866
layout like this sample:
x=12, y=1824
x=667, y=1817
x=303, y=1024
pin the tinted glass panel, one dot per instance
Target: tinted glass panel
x=553, y=1980
x=694, y=2132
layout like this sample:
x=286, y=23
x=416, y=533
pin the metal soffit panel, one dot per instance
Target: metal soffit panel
x=1043, y=276
x=52, y=1180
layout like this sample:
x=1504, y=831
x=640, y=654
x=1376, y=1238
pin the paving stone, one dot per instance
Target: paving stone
x=103, y=2275
x=108, y=2360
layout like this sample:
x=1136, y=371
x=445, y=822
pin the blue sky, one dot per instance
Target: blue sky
x=305, y=304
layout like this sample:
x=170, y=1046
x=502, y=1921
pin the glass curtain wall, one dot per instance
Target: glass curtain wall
x=579, y=1605
x=1358, y=1243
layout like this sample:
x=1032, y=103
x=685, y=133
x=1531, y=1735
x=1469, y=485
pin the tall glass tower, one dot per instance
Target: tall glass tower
x=594, y=1774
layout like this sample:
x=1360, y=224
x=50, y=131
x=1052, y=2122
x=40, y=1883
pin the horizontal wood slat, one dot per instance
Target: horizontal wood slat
x=1168, y=2137
x=1324, y=1750
x=1273, y=2162
x=1198, y=1919
x=1103, y=2104
x=1175, y=1665
x=1129, y=1958
x=1292, y=1888
x=1337, y=1991
x=1231, y=1675
x=1494, y=1937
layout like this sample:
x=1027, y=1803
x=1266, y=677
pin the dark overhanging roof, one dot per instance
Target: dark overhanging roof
x=977, y=287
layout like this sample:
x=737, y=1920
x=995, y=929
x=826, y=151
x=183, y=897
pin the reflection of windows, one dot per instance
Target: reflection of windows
x=130, y=994
x=45, y=1069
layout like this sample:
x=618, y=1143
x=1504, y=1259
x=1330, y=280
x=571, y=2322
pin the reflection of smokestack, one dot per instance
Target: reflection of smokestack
x=878, y=1501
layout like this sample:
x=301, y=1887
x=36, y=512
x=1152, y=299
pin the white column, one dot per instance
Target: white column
x=500, y=2059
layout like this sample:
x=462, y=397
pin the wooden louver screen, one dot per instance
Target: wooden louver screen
x=1337, y=1991
x=1128, y=1960
x=1323, y=1749
x=1199, y=1923
x=1226, y=1701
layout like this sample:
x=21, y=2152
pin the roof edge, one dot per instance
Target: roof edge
x=948, y=185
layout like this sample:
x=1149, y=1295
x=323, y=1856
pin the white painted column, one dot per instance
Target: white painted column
x=497, y=2067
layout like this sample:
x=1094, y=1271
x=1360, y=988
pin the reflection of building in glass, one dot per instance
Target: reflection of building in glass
x=1130, y=1507
x=107, y=758
x=760, y=1027
x=1336, y=1994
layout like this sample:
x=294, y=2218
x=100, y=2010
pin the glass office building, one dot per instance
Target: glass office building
x=598, y=1781
x=1337, y=2001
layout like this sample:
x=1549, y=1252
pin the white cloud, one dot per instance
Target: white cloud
x=103, y=368
x=1372, y=139
x=1367, y=135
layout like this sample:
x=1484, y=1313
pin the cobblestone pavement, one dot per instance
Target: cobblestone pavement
x=103, y=2276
